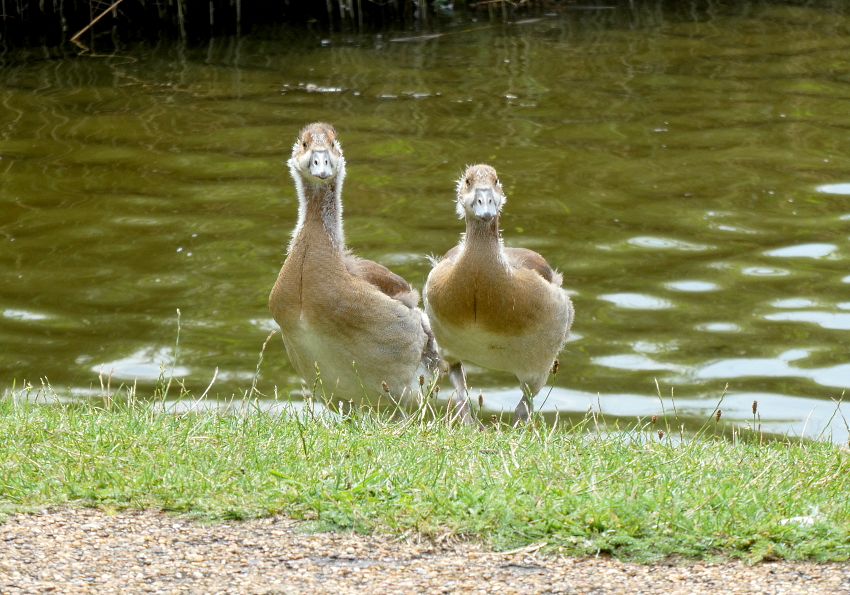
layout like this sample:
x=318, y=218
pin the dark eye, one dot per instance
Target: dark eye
x=498, y=183
x=468, y=182
x=304, y=144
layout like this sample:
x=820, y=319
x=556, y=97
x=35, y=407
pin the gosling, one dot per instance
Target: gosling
x=501, y=308
x=350, y=320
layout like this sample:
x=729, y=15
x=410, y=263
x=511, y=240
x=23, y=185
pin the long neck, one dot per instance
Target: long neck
x=319, y=211
x=482, y=242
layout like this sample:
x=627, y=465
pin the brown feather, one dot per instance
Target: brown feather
x=382, y=279
x=523, y=258
x=451, y=254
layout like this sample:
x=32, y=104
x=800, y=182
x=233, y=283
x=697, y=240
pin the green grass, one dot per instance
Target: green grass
x=567, y=489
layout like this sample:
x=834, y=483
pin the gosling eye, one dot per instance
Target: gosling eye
x=498, y=183
x=468, y=182
x=304, y=144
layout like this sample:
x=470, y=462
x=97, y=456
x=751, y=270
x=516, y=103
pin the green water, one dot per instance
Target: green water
x=688, y=174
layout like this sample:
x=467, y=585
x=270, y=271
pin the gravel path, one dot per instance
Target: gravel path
x=90, y=551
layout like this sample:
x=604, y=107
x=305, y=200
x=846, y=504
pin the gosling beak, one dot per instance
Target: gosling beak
x=320, y=164
x=484, y=205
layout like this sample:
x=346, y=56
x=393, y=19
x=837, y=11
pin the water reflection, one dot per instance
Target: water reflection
x=144, y=365
x=794, y=303
x=650, y=242
x=762, y=271
x=719, y=327
x=636, y=301
x=831, y=320
x=776, y=367
x=14, y=314
x=698, y=286
x=804, y=251
x=683, y=175
x=777, y=414
x=634, y=362
x=843, y=188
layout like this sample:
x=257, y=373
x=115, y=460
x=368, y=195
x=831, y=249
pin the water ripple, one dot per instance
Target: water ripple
x=778, y=413
x=830, y=320
x=775, y=367
x=691, y=286
x=803, y=251
x=145, y=364
x=842, y=188
x=719, y=327
x=667, y=243
x=634, y=362
x=794, y=303
x=636, y=301
x=764, y=272
x=22, y=315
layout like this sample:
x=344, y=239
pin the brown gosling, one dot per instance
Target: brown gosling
x=501, y=308
x=352, y=320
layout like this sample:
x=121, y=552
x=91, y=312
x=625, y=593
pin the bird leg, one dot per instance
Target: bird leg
x=459, y=405
x=524, y=408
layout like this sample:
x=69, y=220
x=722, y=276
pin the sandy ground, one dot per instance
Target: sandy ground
x=90, y=551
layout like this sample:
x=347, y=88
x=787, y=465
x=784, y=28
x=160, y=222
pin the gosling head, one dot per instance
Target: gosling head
x=317, y=155
x=479, y=193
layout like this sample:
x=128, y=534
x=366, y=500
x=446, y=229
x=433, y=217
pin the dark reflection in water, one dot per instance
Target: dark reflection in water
x=687, y=173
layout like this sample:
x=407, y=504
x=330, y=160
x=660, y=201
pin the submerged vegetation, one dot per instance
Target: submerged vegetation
x=580, y=488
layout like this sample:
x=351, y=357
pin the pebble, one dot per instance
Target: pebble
x=149, y=552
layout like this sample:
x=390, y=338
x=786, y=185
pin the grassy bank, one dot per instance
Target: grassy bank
x=573, y=490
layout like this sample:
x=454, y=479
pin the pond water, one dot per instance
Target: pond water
x=687, y=173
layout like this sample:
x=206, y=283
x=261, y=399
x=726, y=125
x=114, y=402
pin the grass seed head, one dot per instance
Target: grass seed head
x=655, y=418
x=421, y=379
x=555, y=365
x=480, y=400
x=436, y=389
x=660, y=434
x=717, y=416
x=755, y=407
x=385, y=386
